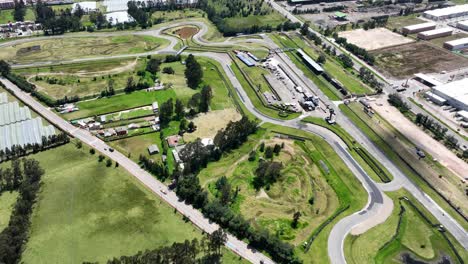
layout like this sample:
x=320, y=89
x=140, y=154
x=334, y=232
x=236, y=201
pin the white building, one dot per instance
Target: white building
x=419, y=27
x=86, y=6
x=435, y=98
x=463, y=25
x=446, y=13
x=119, y=17
x=455, y=93
x=458, y=44
x=435, y=33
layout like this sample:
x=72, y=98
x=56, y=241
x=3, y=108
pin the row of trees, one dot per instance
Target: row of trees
x=16, y=151
x=396, y=100
x=368, y=77
x=435, y=127
x=360, y=52
x=15, y=235
x=208, y=250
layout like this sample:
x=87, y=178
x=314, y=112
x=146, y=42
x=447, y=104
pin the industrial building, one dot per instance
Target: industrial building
x=245, y=59
x=454, y=92
x=413, y=29
x=435, y=33
x=463, y=25
x=86, y=6
x=435, y=98
x=426, y=80
x=446, y=13
x=458, y=44
x=310, y=62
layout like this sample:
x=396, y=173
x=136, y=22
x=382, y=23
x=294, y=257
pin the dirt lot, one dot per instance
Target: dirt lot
x=373, y=39
x=405, y=60
x=208, y=124
x=186, y=32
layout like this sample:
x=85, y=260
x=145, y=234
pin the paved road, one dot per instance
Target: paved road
x=149, y=181
x=343, y=227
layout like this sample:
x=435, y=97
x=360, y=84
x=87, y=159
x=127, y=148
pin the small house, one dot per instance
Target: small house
x=155, y=107
x=173, y=141
x=153, y=149
x=121, y=131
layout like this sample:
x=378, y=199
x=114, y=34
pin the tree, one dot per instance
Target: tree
x=101, y=157
x=296, y=217
x=305, y=28
x=4, y=68
x=216, y=241
x=266, y=174
x=192, y=127
x=206, y=95
x=153, y=65
x=168, y=70
x=79, y=144
x=183, y=125
x=268, y=152
x=252, y=155
x=347, y=62
x=130, y=86
x=277, y=149
x=92, y=151
x=193, y=72
x=108, y=162
x=20, y=10
x=166, y=111
x=224, y=190
x=179, y=109
x=262, y=147
x=79, y=11
x=321, y=59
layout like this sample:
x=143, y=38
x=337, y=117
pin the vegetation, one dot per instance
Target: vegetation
x=397, y=101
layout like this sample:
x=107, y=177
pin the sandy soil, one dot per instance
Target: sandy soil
x=420, y=138
x=373, y=39
x=208, y=124
x=186, y=32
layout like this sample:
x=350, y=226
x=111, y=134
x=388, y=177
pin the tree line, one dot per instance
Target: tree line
x=396, y=100
x=360, y=52
x=27, y=181
x=206, y=251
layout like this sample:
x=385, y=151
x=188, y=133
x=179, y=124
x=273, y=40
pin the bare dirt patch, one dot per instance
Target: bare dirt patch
x=186, y=32
x=405, y=60
x=373, y=39
x=208, y=124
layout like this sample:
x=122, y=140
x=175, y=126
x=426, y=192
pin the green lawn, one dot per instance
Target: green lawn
x=402, y=21
x=119, y=102
x=80, y=47
x=6, y=15
x=136, y=146
x=273, y=19
x=7, y=202
x=415, y=236
x=89, y=212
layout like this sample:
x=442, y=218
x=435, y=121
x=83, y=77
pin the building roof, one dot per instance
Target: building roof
x=463, y=114
x=207, y=141
x=119, y=17
x=428, y=79
x=120, y=129
x=435, y=96
x=455, y=89
x=420, y=25
x=453, y=10
x=87, y=6
x=309, y=60
x=173, y=140
x=463, y=23
x=153, y=148
x=155, y=105
x=436, y=31
x=457, y=42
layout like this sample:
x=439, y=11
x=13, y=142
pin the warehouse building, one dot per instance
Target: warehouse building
x=413, y=29
x=426, y=80
x=435, y=33
x=245, y=59
x=454, y=92
x=310, y=62
x=463, y=25
x=446, y=13
x=458, y=44
x=435, y=98
x=87, y=6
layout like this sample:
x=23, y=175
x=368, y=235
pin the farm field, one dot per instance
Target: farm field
x=80, y=47
x=406, y=60
x=301, y=179
x=7, y=202
x=59, y=81
x=89, y=212
x=383, y=135
x=415, y=236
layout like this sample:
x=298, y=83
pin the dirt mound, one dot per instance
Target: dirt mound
x=186, y=32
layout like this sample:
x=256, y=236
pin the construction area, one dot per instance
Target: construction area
x=373, y=39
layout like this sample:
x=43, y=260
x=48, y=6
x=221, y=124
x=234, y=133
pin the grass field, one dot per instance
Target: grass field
x=415, y=236
x=80, y=47
x=6, y=15
x=402, y=21
x=397, y=147
x=272, y=19
x=85, y=83
x=7, y=202
x=89, y=212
